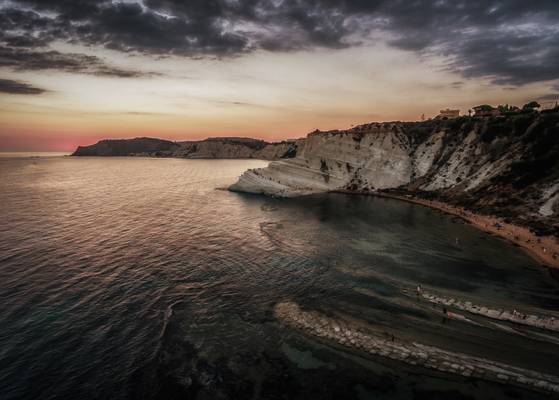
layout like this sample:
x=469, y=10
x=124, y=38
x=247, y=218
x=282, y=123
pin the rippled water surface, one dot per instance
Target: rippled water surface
x=127, y=278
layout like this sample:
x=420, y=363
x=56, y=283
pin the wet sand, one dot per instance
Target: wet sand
x=544, y=249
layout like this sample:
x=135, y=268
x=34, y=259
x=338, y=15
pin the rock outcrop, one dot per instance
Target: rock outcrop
x=376, y=155
x=226, y=147
x=504, y=166
x=237, y=148
x=549, y=323
x=325, y=328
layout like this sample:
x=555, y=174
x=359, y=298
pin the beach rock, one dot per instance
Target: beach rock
x=548, y=322
x=414, y=353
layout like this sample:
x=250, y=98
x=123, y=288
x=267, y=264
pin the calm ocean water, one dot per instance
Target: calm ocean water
x=126, y=278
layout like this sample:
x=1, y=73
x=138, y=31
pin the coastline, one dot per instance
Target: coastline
x=354, y=337
x=541, y=248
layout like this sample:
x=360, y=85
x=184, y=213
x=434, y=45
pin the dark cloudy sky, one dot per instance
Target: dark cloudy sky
x=73, y=71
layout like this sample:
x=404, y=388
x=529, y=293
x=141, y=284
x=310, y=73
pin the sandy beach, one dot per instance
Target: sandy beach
x=544, y=249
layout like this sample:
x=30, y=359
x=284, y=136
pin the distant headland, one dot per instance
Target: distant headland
x=211, y=148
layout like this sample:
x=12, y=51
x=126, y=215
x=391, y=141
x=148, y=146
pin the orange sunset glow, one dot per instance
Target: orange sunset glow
x=279, y=199
x=73, y=90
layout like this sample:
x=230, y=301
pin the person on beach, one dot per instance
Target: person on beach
x=419, y=290
x=447, y=316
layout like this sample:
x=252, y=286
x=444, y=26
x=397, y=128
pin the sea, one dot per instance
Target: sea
x=144, y=278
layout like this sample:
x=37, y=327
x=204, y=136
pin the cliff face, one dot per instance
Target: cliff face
x=237, y=148
x=209, y=148
x=505, y=166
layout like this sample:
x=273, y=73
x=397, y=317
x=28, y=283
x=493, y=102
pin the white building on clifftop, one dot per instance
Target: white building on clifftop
x=448, y=114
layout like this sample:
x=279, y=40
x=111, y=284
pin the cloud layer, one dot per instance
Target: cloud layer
x=16, y=87
x=510, y=42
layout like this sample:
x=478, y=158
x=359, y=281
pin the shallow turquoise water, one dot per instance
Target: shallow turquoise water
x=139, y=278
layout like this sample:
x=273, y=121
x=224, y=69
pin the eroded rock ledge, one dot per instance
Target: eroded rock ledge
x=318, y=325
x=537, y=321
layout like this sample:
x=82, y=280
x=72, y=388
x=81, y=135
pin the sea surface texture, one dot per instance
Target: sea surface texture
x=138, y=278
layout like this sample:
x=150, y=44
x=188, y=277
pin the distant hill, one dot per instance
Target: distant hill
x=127, y=147
x=212, y=148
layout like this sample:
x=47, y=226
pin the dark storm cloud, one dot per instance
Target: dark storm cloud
x=16, y=87
x=510, y=42
x=25, y=36
x=24, y=59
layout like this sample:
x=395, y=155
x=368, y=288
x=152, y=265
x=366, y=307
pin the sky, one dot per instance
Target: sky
x=76, y=71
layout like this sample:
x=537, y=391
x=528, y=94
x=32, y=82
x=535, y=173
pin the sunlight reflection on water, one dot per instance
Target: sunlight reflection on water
x=120, y=271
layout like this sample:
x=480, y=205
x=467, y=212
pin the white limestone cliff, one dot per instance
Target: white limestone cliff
x=370, y=157
x=332, y=160
x=507, y=165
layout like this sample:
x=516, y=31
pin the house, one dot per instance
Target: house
x=485, y=110
x=448, y=114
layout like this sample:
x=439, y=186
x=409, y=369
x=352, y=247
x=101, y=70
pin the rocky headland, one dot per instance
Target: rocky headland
x=504, y=167
x=221, y=147
x=499, y=173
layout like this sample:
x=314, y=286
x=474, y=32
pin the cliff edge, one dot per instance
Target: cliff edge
x=506, y=166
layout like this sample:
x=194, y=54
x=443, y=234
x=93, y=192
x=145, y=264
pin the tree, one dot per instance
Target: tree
x=531, y=106
x=484, y=107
